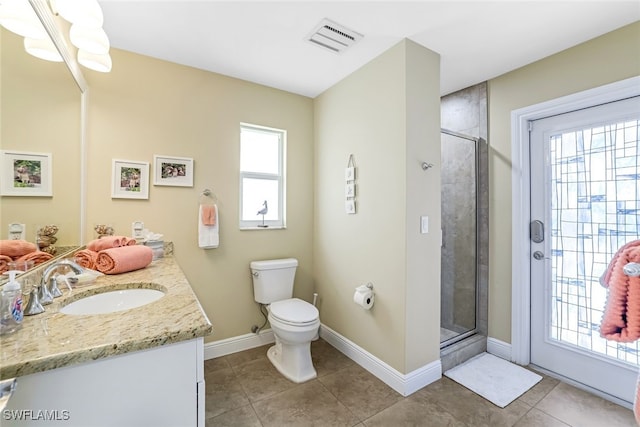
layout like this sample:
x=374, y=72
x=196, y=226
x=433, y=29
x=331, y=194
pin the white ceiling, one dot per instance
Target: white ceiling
x=264, y=41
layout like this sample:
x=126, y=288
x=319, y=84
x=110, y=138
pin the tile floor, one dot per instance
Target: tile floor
x=244, y=389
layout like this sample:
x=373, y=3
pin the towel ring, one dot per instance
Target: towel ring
x=208, y=197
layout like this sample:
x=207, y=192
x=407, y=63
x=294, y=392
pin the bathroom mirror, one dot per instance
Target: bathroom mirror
x=41, y=106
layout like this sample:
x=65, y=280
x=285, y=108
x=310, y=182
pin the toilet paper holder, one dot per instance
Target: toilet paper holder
x=364, y=296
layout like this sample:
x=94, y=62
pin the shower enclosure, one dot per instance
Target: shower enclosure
x=459, y=259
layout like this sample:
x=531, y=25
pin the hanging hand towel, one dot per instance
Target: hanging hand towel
x=208, y=214
x=208, y=234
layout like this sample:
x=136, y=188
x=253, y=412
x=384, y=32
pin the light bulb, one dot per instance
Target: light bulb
x=19, y=17
x=95, y=62
x=42, y=48
x=92, y=40
x=87, y=13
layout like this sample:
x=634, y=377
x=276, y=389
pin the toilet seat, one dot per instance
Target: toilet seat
x=294, y=312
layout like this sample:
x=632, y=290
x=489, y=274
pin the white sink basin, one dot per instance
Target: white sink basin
x=110, y=302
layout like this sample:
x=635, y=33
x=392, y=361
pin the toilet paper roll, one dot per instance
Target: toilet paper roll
x=364, y=298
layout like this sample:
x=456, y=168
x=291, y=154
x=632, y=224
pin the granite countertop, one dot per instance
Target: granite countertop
x=52, y=340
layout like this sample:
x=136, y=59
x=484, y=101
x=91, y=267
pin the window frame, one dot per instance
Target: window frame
x=280, y=177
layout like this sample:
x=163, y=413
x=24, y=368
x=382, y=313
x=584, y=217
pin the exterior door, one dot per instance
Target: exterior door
x=585, y=192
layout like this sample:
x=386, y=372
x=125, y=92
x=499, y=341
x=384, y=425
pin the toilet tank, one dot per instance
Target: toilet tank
x=273, y=279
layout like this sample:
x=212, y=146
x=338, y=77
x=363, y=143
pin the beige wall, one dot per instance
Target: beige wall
x=387, y=115
x=147, y=106
x=606, y=59
x=40, y=112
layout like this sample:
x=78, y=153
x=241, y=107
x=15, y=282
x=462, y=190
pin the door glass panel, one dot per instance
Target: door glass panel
x=595, y=187
x=459, y=235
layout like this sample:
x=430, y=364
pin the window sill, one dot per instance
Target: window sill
x=271, y=227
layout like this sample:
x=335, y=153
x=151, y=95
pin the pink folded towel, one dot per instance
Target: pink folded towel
x=108, y=242
x=208, y=214
x=86, y=258
x=38, y=257
x=4, y=263
x=16, y=248
x=123, y=259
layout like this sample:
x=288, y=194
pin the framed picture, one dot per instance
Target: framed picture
x=173, y=171
x=350, y=206
x=129, y=180
x=25, y=174
x=350, y=190
x=349, y=174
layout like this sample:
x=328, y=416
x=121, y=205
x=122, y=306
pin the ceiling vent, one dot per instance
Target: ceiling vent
x=333, y=36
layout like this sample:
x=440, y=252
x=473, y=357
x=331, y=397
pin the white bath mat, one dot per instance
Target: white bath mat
x=493, y=378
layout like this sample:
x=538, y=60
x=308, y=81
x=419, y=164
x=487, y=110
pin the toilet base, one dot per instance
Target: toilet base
x=292, y=361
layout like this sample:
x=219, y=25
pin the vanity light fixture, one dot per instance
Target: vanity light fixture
x=86, y=13
x=42, y=48
x=86, y=31
x=97, y=62
x=19, y=17
x=93, y=40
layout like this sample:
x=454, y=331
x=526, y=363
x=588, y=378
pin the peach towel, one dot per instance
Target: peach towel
x=16, y=248
x=38, y=257
x=621, y=318
x=86, y=258
x=209, y=214
x=606, y=277
x=108, y=242
x=4, y=263
x=123, y=259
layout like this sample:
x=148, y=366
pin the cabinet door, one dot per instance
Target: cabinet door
x=154, y=387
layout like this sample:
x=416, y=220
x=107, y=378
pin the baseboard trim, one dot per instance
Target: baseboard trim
x=499, y=348
x=405, y=384
x=235, y=344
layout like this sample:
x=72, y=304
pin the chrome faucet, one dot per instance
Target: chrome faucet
x=47, y=290
x=51, y=282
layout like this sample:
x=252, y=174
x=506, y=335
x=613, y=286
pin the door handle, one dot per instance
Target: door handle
x=538, y=255
x=536, y=231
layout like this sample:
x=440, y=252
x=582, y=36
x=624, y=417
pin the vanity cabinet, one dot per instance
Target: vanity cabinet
x=160, y=386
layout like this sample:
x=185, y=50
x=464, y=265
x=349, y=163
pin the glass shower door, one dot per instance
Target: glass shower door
x=459, y=243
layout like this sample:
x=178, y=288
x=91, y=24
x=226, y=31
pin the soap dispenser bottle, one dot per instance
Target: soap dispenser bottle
x=11, y=305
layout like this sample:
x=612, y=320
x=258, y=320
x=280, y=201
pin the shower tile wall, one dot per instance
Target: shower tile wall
x=464, y=112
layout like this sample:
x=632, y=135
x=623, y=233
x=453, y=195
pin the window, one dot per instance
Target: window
x=262, y=195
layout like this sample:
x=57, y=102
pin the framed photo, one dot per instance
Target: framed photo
x=350, y=206
x=350, y=190
x=173, y=171
x=349, y=174
x=25, y=174
x=129, y=179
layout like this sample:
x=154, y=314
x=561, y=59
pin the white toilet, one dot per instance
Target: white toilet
x=294, y=322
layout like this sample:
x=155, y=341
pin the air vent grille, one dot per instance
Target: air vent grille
x=333, y=36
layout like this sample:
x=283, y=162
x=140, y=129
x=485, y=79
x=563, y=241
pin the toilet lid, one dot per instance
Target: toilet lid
x=294, y=310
